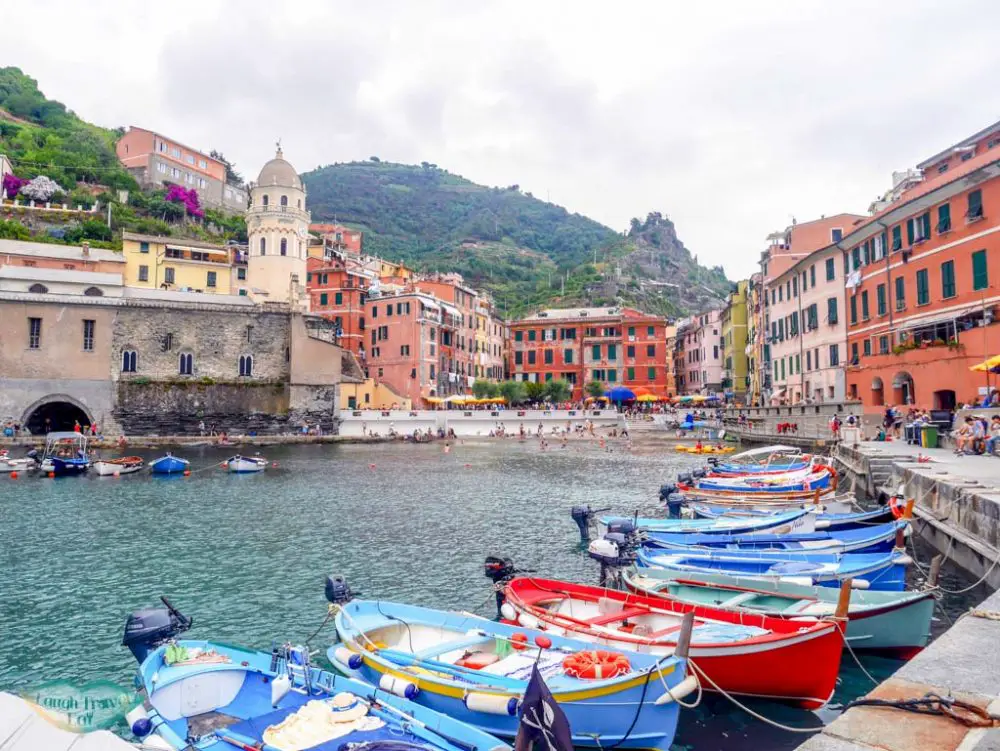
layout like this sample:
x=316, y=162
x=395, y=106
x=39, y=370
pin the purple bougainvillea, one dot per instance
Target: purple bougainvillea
x=12, y=184
x=189, y=198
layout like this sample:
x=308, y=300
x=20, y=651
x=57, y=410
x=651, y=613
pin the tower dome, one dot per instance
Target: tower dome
x=279, y=173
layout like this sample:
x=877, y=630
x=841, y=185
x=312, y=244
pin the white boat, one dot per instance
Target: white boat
x=9, y=464
x=243, y=464
x=126, y=465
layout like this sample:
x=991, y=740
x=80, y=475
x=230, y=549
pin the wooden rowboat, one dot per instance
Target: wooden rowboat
x=125, y=465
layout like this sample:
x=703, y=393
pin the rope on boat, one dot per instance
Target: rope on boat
x=963, y=712
x=850, y=649
x=773, y=723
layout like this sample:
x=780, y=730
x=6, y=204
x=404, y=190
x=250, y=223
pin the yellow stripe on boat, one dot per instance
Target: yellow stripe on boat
x=458, y=692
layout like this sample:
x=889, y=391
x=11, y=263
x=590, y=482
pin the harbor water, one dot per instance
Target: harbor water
x=246, y=556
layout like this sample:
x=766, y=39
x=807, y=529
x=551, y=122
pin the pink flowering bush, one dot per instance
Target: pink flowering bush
x=12, y=184
x=178, y=194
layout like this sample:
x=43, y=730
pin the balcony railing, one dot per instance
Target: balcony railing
x=290, y=211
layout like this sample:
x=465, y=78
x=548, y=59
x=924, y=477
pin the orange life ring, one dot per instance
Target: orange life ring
x=596, y=664
x=519, y=641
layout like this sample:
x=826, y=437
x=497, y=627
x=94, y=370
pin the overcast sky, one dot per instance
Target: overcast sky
x=731, y=117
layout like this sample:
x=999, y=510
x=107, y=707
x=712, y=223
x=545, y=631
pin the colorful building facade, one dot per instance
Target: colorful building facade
x=923, y=287
x=614, y=346
x=733, y=321
x=155, y=262
x=703, y=354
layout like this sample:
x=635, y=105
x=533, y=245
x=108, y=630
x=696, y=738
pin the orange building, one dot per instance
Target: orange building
x=339, y=237
x=922, y=287
x=338, y=293
x=616, y=346
x=457, y=350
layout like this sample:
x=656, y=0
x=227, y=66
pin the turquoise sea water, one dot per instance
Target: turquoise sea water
x=246, y=556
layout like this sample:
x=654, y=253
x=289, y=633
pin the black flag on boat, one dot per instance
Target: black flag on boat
x=542, y=721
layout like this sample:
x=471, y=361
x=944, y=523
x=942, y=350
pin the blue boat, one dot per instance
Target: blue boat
x=212, y=695
x=168, y=465
x=880, y=538
x=789, y=520
x=476, y=671
x=825, y=520
x=65, y=454
x=878, y=571
x=793, y=482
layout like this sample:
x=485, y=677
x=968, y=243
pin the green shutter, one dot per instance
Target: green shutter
x=980, y=275
x=909, y=231
x=944, y=217
x=948, y=279
x=612, y=352
x=880, y=299
x=923, y=288
x=900, y=293
x=925, y=221
x=595, y=351
x=651, y=374
x=831, y=310
x=631, y=374
x=975, y=204
x=323, y=298
x=864, y=305
x=854, y=309
x=856, y=257
x=831, y=270
x=897, y=241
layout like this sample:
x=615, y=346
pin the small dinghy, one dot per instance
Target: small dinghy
x=881, y=538
x=740, y=653
x=244, y=464
x=884, y=572
x=10, y=464
x=477, y=671
x=126, y=465
x=213, y=696
x=896, y=624
x=169, y=465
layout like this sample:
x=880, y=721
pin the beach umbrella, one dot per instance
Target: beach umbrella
x=647, y=398
x=992, y=364
x=620, y=394
x=433, y=399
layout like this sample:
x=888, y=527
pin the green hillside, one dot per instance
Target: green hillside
x=528, y=253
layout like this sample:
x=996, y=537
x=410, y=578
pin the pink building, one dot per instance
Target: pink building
x=702, y=366
x=804, y=317
x=404, y=333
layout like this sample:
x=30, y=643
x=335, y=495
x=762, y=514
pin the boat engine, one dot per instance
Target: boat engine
x=674, y=503
x=615, y=551
x=685, y=478
x=698, y=473
x=147, y=629
x=666, y=490
x=501, y=570
x=713, y=460
x=584, y=517
x=337, y=590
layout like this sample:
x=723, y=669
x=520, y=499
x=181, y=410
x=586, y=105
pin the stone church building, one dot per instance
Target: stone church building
x=76, y=344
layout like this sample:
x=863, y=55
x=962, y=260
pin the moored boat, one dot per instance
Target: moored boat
x=832, y=521
x=740, y=653
x=796, y=520
x=893, y=623
x=874, y=539
x=687, y=449
x=125, y=465
x=245, y=464
x=211, y=695
x=879, y=571
x=797, y=481
x=23, y=464
x=169, y=465
x=65, y=454
x=476, y=671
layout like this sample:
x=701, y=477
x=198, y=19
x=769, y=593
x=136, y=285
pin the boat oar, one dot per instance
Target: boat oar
x=408, y=660
x=375, y=704
x=242, y=742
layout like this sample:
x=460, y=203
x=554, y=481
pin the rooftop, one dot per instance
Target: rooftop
x=964, y=143
x=60, y=252
x=71, y=276
x=174, y=140
x=177, y=242
x=164, y=295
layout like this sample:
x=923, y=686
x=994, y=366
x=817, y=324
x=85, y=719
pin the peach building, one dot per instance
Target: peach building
x=64, y=257
x=154, y=160
x=703, y=354
x=338, y=237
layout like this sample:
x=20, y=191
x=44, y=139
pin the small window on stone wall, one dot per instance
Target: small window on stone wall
x=246, y=365
x=128, y=361
x=186, y=364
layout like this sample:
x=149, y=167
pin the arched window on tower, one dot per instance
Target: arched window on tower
x=263, y=246
x=246, y=366
x=128, y=361
x=264, y=200
x=284, y=246
x=284, y=201
x=300, y=203
x=185, y=365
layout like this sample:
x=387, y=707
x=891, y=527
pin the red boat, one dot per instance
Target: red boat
x=740, y=653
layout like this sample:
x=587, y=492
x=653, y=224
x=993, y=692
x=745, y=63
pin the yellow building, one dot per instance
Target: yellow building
x=183, y=265
x=370, y=395
x=734, y=342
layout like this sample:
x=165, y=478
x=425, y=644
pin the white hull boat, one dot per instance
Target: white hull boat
x=246, y=464
x=115, y=467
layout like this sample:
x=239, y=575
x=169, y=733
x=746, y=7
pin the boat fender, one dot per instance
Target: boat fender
x=346, y=657
x=508, y=612
x=398, y=686
x=491, y=704
x=528, y=620
x=681, y=690
x=139, y=722
x=860, y=584
x=280, y=686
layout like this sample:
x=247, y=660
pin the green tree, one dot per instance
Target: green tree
x=558, y=390
x=485, y=389
x=513, y=392
x=594, y=388
x=534, y=391
x=232, y=176
x=12, y=230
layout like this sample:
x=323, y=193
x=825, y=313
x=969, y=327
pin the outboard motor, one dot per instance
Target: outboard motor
x=620, y=527
x=614, y=551
x=500, y=570
x=674, y=503
x=147, y=629
x=698, y=473
x=666, y=490
x=713, y=460
x=584, y=516
x=685, y=478
x=337, y=590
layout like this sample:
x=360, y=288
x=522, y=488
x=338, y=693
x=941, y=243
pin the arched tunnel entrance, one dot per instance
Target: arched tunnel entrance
x=54, y=415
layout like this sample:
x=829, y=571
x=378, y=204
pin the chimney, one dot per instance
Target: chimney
x=85, y=247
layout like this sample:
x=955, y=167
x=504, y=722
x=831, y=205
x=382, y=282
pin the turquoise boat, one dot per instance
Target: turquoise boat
x=897, y=624
x=477, y=671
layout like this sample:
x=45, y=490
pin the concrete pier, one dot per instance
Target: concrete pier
x=958, y=511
